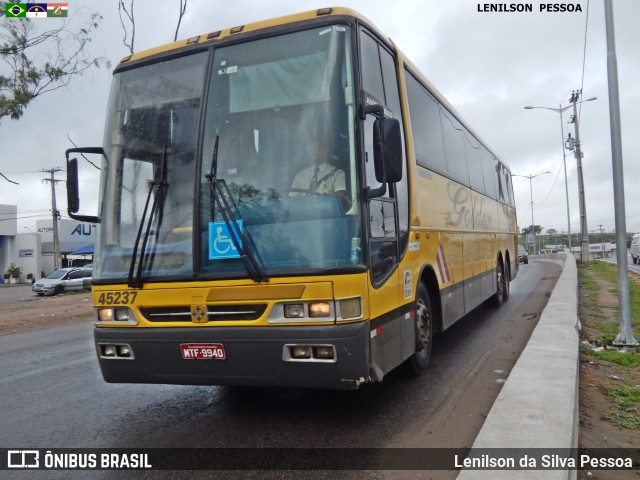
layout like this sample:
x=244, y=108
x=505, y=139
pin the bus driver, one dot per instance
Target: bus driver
x=321, y=178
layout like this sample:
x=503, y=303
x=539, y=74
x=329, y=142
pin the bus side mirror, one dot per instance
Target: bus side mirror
x=388, y=150
x=73, y=186
x=73, y=199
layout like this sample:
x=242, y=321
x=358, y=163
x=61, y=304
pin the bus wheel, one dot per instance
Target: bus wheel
x=424, y=331
x=507, y=282
x=499, y=297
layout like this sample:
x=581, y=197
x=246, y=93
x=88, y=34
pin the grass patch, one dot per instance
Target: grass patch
x=628, y=358
x=626, y=421
x=624, y=396
x=608, y=331
x=590, y=272
x=586, y=280
x=627, y=399
x=598, y=281
x=604, y=270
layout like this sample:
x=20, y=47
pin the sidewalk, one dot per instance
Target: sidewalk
x=538, y=405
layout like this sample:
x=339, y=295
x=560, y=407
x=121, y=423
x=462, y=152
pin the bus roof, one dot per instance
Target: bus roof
x=241, y=30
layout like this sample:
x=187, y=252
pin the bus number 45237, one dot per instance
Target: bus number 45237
x=117, y=298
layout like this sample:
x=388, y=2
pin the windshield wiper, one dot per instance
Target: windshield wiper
x=240, y=241
x=157, y=206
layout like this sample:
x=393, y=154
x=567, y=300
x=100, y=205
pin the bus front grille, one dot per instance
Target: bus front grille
x=214, y=313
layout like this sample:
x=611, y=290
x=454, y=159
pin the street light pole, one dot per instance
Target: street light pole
x=561, y=110
x=566, y=183
x=533, y=228
x=625, y=334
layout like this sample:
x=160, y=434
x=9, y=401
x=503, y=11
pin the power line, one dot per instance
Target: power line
x=511, y=110
x=10, y=181
x=21, y=218
x=552, y=187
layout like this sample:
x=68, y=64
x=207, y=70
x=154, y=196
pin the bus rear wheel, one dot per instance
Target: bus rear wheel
x=424, y=331
x=501, y=294
x=507, y=282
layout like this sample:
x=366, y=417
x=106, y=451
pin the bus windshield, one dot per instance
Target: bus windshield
x=276, y=180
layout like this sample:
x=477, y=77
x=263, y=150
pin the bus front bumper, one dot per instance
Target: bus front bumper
x=250, y=356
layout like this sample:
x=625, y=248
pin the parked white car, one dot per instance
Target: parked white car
x=63, y=280
x=635, y=248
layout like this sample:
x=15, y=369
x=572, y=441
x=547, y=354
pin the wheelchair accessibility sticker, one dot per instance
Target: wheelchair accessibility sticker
x=221, y=244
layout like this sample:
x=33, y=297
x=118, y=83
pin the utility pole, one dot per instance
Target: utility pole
x=55, y=214
x=601, y=230
x=574, y=144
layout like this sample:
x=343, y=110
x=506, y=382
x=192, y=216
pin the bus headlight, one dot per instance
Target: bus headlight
x=310, y=353
x=319, y=310
x=109, y=350
x=324, y=352
x=322, y=311
x=350, y=308
x=117, y=351
x=300, y=352
x=118, y=314
x=294, y=310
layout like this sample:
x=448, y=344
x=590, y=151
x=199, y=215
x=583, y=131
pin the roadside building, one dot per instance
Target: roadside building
x=33, y=251
x=597, y=250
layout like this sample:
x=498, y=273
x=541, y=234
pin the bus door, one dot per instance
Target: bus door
x=392, y=329
x=385, y=287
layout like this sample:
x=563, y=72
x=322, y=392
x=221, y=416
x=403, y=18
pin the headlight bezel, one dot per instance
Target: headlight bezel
x=115, y=316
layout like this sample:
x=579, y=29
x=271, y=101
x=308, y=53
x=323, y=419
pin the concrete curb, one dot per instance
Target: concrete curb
x=538, y=405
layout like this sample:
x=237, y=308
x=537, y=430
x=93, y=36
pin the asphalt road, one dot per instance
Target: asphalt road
x=52, y=396
x=633, y=267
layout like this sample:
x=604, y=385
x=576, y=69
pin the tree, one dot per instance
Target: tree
x=130, y=33
x=122, y=10
x=526, y=231
x=41, y=62
x=183, y=9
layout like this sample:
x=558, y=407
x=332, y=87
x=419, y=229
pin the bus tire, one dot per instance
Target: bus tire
x=499, y=297
x=507, y=282
x=424, y=332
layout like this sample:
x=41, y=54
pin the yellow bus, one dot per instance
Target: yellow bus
x=288, y=203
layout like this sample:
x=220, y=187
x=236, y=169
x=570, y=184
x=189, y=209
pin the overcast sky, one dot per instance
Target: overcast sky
x=488, y=65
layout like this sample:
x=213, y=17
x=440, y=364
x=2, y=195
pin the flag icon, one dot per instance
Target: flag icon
x=36, y=10
x=57, y=9
x=15, y=10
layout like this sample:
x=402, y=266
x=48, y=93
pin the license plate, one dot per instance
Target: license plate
x=203, y=351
